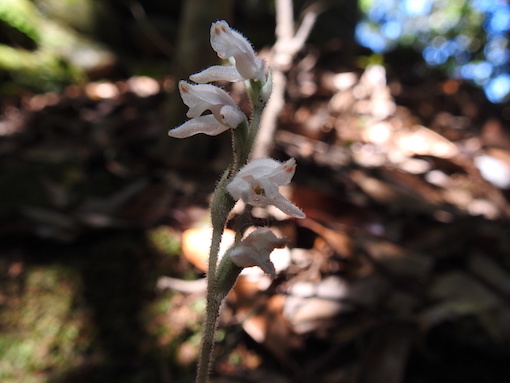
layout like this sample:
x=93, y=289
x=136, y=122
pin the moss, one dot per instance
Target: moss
x=43, y=329
x=87, y=312
x=165, y=240
x=56, y=51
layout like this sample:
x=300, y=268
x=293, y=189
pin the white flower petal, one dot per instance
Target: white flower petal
x=231, y=116
x=288, y=207
x=246, y=257
x=259, y=167
x=203, y=124
x=237, y=188
x=206, y=97
x=257, y=185
x=283, y=174
x=263, y=239
x=202, y=97
x=229, y=43
x=249, y=67
x=217, y=73
x=255, y=249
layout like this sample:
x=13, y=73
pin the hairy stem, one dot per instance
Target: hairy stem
x=209, y=330
x=259, y=92
x=219, y=282
x=241, y=146
x=221, y=205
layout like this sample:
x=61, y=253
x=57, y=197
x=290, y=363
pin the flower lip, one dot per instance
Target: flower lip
x=206, y=97
x=254, y=250
x=202, y=97
x=257, y=184
x=204, y=124
x=217, y=73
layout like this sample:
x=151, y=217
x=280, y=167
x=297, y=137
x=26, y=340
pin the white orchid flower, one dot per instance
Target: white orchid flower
x=257, y=184
x=230, y=44
x=254, y=250
x=224, y=112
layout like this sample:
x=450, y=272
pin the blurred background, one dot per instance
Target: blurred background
x=397, y=114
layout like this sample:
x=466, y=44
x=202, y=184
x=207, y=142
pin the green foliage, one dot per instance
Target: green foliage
x=165, y=241
x=39, y=70
x=20, y=14
x=57, y=57
x=44, y=330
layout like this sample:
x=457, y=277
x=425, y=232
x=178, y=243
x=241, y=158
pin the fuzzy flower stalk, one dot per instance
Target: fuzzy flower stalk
x=212, y=112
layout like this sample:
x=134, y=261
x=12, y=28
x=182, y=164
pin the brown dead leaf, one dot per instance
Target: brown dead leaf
x=398, y=261
x=196, y=244
x=423, y=141
x=262, y=318
x=339, y=241
x=388, y=193
x=312, y=307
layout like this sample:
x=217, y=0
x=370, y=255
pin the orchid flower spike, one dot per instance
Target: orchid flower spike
x=230, y=44
x=254, y=250
x=199, y=98
x=257, y=184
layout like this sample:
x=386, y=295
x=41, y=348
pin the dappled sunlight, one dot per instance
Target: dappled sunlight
x=402, y=171
x=449, y=35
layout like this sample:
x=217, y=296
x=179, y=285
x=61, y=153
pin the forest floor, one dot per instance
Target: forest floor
x=399, y=273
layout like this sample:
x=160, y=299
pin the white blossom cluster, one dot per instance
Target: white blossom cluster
x=256, y=183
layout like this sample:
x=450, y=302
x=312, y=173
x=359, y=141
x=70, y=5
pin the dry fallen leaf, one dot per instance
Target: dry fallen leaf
x=423, y=141
x=196, y=244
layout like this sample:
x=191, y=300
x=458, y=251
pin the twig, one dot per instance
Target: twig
x=157, y=38
x=195, y=286
x=287, y=45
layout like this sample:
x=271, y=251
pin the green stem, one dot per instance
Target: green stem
x=209, y=330
x=241, y=147
x=259, y=92
x=227, y=274
x=221, y=205
x=226, y=277
x=220, y=279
